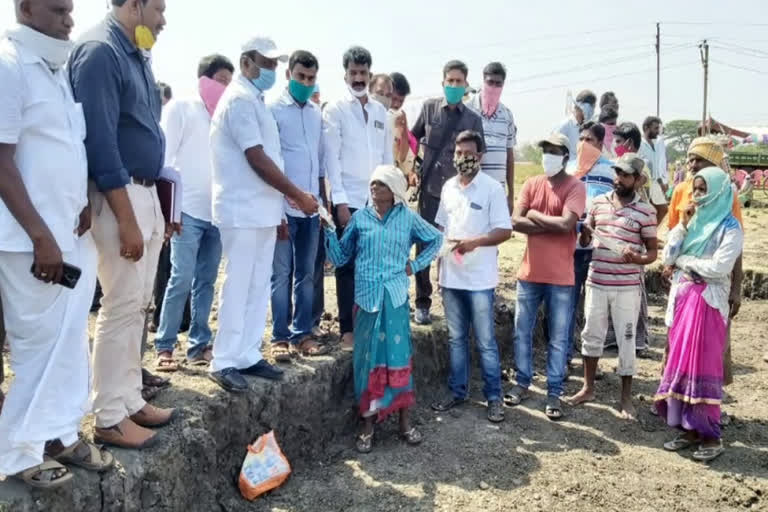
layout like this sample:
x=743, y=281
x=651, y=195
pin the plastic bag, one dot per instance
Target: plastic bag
x=264, y=468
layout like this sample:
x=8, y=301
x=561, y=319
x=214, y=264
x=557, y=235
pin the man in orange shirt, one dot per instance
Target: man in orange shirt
x=705, y=152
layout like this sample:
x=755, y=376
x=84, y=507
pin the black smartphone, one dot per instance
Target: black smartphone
x=69, y=276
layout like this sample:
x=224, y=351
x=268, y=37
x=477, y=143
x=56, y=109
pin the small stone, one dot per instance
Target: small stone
x=537, y=497
x=484, y=486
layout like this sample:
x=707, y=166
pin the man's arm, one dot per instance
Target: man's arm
x=172, y=124
x=332, y=150
x=511, y=141
x=564, y=223
x=520, y=222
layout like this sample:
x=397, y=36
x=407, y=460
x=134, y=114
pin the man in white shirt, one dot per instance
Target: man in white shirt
x=499, y=130
x=654, y=152
x=249, y=188
x=300, y=124
x=583, y=110
x=359, y=139
x=44, y=219
x=474, y=216
x=196, y=251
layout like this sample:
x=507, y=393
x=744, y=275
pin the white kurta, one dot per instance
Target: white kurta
x=47, y=329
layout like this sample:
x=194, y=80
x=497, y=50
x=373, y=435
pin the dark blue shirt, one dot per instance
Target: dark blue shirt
x=121, y=102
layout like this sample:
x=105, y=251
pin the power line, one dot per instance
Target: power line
x=740, y=52
x=740, y=24
x=734, y=66
x=756, y=51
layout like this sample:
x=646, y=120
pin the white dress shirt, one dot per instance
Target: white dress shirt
x=301, y=139
x=187, y=126
x=39, y=115
x=355, y=147
x=467, y=212
x=241, y=199
x=655, y=158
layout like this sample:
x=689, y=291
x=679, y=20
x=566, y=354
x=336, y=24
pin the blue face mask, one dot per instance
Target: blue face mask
x=299, y=91
x=453, y=95
x=266, y=79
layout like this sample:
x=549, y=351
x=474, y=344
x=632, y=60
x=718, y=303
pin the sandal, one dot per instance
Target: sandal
x=413, y=437
x=554, y=410
x=281, y=352
x=149, y=392
x=165, y=363
x=203, y=359
x=495, y=412
x=154, y=381
x=709, y=453
x=515, y=396
x=48, y=475
x=83, y=455
x=310, y=348
x=364, y=443
x=679, y=443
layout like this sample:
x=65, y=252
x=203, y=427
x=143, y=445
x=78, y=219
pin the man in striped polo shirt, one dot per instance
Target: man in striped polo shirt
x=499, y=129
x=624, y=230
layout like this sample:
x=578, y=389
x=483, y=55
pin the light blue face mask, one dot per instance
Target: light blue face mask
x=266, y=79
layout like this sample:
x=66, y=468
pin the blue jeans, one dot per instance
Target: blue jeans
x=558, y=300
x=318, y=302
x=581, y=261
x=195, y=258
x=294, y=258
x=462, y=308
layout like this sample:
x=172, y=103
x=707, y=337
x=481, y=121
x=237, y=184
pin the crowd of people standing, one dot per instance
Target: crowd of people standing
x=84, y=138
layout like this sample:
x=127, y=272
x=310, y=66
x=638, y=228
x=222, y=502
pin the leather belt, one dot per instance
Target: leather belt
x=143, y=182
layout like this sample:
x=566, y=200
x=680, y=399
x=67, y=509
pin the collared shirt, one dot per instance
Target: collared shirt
x=436, y=128
x=301, y=130
x=628, y=226
x=380, y=249
x=500, y=138
x=114, y=82
x=40, y=117
x=355, y=147
x=655, y=158
x=466, y=212
x=187, y=124
x=598, y=181
x=570, y=128
x=241, y=199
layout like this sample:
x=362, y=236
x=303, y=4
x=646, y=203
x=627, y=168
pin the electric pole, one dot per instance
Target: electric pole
x=704, y=51
x=658, y=69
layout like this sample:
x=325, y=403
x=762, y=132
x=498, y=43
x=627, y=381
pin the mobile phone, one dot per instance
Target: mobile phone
x=69, y=276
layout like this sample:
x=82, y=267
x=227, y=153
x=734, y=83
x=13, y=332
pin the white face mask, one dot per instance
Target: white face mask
x=358, y=94
x=552, y=164
x=53, y=51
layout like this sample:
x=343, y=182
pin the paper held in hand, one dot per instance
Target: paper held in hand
x=326, y=216
x=169, y=191
x=608, y=243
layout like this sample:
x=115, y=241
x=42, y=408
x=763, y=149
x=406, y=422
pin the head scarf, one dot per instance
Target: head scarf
x=711, y=210
x=393, y=178
x=587, y=156
x=708, y=149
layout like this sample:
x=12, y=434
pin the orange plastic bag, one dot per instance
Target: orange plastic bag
x=264, y=468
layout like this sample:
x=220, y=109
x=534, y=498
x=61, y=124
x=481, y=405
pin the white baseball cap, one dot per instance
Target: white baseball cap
x=266, y=47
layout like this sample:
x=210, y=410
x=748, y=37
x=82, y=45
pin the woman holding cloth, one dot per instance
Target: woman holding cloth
x=379, y=238
x=700, y=254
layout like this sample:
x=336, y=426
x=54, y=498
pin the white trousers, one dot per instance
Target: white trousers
x=624, y=307
x=47, y=329
x=244, y=298
x=127, y=288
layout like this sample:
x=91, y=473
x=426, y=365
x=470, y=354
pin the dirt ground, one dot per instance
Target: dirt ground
x=590, y=460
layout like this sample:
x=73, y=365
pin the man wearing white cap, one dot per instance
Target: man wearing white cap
x=248, y=191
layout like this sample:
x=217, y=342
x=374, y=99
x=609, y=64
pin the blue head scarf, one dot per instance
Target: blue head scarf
x=711, y=210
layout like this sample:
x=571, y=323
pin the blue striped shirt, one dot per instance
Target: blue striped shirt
x=381, y=249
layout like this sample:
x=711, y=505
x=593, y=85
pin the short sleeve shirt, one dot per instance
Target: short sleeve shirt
x=548, y=257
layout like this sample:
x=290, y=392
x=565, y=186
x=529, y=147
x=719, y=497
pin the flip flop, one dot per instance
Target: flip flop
x=515, y=396
x=165, y=363
x=554, y=409
x=150, y=380
x=679, y=443
x=364, y=443
x=709, y=453
x=42, y=475
x=281, y=352
x=413, y=437
x=315, y=349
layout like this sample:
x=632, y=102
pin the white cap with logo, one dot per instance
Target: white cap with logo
x=266, y=47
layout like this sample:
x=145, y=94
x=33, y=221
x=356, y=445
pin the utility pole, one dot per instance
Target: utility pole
x=704, y=51
x=658, y=69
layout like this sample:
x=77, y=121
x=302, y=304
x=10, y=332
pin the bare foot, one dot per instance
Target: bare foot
x=628, y=411
x=583, y=396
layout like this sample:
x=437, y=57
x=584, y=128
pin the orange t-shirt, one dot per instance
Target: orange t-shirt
x=548, y=257
x=682, y=197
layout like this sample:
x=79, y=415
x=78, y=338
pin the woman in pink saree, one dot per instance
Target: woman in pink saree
x=699, y=255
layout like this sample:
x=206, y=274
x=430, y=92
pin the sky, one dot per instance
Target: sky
x=549, y=48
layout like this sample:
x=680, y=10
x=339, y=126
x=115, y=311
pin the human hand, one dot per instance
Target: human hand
x=585, y=237
x=282, y=231
x=631, y=256
x=171, y=228
x=131, y=240
x=734, y=301
x=307, y=203
x=668, y=271
x=48, y=262
x=465, y=246
x=85, y=221
x=688, y=213
x=413, y=179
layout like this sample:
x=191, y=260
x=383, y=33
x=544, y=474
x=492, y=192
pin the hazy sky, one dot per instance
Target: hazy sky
x=549, y=48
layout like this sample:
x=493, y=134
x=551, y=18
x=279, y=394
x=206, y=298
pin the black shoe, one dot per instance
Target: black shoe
x=230, y=379
x=495, y=412
x=264, y=370
x=447, y=403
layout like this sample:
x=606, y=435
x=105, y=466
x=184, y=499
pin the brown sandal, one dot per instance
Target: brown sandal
x=83, y=455
x=203, y=359
x=166, y=363
x=148, y=380
x=281, y=352
x=311, y=348
x=48, y=475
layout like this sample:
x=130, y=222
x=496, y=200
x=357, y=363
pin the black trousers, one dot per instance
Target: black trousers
x=345, y=285
x=318, y=301
x=428, y=205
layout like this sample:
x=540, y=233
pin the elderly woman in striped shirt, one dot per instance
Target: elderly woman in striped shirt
x=379, y=238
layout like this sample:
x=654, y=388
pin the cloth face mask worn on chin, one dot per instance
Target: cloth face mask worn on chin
x=357, y=94
x=552, y=164
x=53, y=51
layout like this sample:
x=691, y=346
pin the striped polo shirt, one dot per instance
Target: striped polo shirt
x=628, y=226
x=500, y=136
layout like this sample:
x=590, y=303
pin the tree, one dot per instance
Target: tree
x=530, y=153
x=678, y=135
